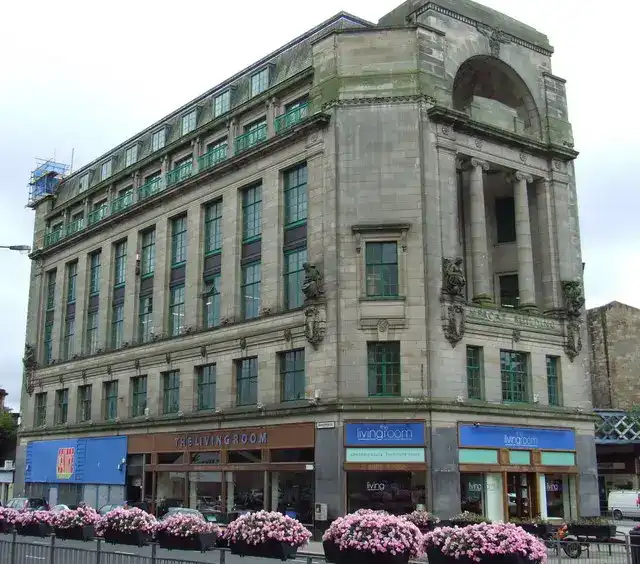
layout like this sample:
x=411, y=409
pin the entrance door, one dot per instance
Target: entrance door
x=521, y=495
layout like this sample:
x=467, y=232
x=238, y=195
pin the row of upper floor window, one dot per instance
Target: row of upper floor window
x=384, y=379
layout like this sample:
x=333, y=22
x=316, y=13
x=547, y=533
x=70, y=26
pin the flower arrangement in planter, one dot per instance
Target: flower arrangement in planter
x=266, y=534
x=372, y=536
x=76, y=524
x=186, y=532
x=424, y=520
x=34, y=523
x=8, y=519
x=127, y=526
x=467, y=518
x=598, y=527
x=484, y=543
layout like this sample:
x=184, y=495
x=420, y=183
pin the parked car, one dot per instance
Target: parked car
x=624, y=503
x=62, y=507
x=108, y=507
x=172, y=511
x=28, y=504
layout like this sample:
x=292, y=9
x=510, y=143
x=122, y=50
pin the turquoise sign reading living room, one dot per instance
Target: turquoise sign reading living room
x=385, y=455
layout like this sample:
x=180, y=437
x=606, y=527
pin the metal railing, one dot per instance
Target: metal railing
x=74, y=227
x=53, y=236
x=122, y=202
x=150, y=188
x=291, y=118
x=213, y=157
x=251, y=138
x=97, y=215
x=180, y=173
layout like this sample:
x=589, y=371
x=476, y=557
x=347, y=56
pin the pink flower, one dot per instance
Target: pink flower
x=261, y=526
x=185, y=525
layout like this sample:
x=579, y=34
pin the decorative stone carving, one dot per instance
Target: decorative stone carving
x=136, y=364
x=29, y=357
x=265, y=311
x=495, y=36
x=315, y=325
x=484, y=165
x=453, y=280
x=445, y=130
x=109, y=369
x=523, y=156
x=312, y=284
x=287, y=334
x=358, y=243
x=478, y=143
x=225, y=321
x=453, y=322
x=516, y=336
x=84, y=376
x=383, y=325
x=167, y=357
x=203, y=351
x=243, y=343
x=573, y=344
x=573, y=298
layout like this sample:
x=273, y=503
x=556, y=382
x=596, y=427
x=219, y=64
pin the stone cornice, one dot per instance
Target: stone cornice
x=460, y=121
x=371, y=100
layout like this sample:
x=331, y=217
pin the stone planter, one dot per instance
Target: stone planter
x=5, y=527
x=34, y=530
x=84, y=533
x=597, y=531
x=331, y=551
x=135, y=538
x=436, y=557
x=201, y=542
x=540, y=530
x=352, y=556
x=271, y=549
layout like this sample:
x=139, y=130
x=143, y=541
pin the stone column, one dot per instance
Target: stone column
x=271, y=118
x=526, y=280
x=479, y=250
x=195, y=149
x=548, y=247
x=231, y=137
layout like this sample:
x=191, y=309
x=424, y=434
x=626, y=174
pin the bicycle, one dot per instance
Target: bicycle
x=571, y=546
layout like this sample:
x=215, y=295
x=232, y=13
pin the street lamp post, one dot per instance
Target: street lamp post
x=21, y=248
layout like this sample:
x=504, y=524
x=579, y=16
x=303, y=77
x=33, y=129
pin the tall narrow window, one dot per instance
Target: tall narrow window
x=51, y=290
x=138, y=396
x=221, y=104
x=72, y=277
x=251, y=213
x=207, y=387
x=553, y=380
x=92, y=332
x=110, y=395
x=48, y=341
x=148, y=259
x=84, y=402
x=295, y=234
x=49, y=316
x=158, y=140
x=212, y=227
x=211, y=300
x=189, y=122
x=509, y=290
x=384, y=368
x=259, y=81
x=62, y=406
x=295, y=195
x=176, y=310
x=474, y=372
x=178, y=241
x=382, y=269
x=505, y=220
x=40, y=410
x=293, y=277
x=292, y=376
x=94, y=273
x=69, y=336
x=247, y=381
x=145, y=319
x=171, y=392
x=250, y=291
x=130, y=155
x=514, y=372
x=120, y=263
x=117, y=326
x=105, y=169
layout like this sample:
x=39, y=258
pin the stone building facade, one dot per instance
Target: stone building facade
x=422, y=169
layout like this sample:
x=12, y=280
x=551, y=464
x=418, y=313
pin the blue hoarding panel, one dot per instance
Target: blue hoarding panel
x=529, y=438
x=381, y=433
x=77, y=461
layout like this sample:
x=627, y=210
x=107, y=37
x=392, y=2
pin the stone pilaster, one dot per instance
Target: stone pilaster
x=526, y=280
x=161, y=276
x=548, y=246
x=479, y=248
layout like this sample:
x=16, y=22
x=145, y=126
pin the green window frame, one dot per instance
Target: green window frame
x=120, y=263
x=72, y=279
x=553, y=381
x=40, y=410
x=383, y=361
x=69, y=336
x=106, y=169
x=94, y=273
x=145, y=319
x=207, y=387
x=138, y=396
x=251, y=213
x=84, y=402
x=382, y=269
x=293, y=277
x=189, y=122
x=110, y=394
x=211, y=302
x=62, y=406
x=213, y=227
x=148, y=258
x=117, y=326
x=171, y=392
x=260, y=81
x=474, y=372
x=51, y=290
x=250, y=290
x=292, y=375
x=514, y=375
x=130, y=155
x=247, y=381
x=158, y=140
x=221, y=103
x=48, y=342
x=176, y=310
x=92, y=332
x=178, y=241
x=295, y=196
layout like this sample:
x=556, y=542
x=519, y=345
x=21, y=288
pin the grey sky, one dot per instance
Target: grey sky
x=87, y=75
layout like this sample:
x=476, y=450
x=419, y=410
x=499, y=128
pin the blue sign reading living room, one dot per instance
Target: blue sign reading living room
x=528, y=438
x=381, y=433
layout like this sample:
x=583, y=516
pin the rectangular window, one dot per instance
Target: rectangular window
x=207, y=387
x=212, y=301
x=92, y=332
x=83, y=183
x=40, y=411
x=117, y=326
x=72, y=278
x=110, y=394
x=148, y=258
x=158, y=140
x=189, y=122
x=221, y=104
x=138, y=396
x=176, y=310
x=505, y=220
x=178, y=240
x=514, y=374
x=48, y=342
x=120, y=263
x=145, y=319
x=383, y=360
x=212, y=227
x=553, y=380
x=250, y=291
x=51, y=290
x=260, y=82
x=293, y=277
x=105, y=170
x=84, y=402
x=131, y=155
x=251, y=213
x=382, y=269
x=292, y=377
x=295, y=196
x=62, y=406
x=474, y=372
x=171, y=392
x=94, y=273
x=247, y=381
x=509, y=290
x=69, y=337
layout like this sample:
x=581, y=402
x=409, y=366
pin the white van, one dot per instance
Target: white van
x=624, y=503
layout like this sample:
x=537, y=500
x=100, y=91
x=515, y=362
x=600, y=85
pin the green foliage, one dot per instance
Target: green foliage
x=8, y=425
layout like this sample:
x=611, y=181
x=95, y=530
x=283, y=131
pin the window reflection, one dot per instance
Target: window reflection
x=472, y=492
x=395, y=492
x=555, y=496
x=292, y=494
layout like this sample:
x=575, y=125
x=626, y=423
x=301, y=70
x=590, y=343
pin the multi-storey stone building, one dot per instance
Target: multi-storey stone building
x=349, y=275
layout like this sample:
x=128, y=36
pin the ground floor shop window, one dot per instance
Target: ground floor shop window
x=245, y=491
x=292, y=494
x=205, y=491
x=482, y=494
x=170, y=490
x=395, y=492
x=559, y=496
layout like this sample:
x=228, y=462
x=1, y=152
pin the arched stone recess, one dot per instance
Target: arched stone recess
x=492, y=92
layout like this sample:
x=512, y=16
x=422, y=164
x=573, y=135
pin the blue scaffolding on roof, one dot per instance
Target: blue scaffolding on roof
x=45, y=179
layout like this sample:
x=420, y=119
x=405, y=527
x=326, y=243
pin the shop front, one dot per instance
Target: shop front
x=70, y=471
x=518, y=472
x=385, y=465
x=226, y=471
x=618, y=469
